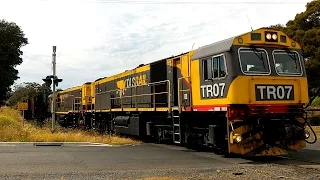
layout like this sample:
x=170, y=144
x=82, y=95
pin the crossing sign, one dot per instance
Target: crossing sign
x=22, y=106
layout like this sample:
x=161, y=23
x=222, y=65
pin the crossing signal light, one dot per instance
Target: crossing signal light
x=48, y=80
x=57, y=81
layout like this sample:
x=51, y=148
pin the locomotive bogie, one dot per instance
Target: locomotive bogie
x=266, y=130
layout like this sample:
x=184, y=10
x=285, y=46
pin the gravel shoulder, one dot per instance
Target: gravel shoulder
x=266, y=171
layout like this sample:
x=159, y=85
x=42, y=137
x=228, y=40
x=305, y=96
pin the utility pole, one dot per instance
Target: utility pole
x=54, y=88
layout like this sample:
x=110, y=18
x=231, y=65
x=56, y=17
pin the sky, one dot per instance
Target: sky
x=99, y=38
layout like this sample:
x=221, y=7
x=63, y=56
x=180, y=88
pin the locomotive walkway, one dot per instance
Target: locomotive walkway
x=93, y=161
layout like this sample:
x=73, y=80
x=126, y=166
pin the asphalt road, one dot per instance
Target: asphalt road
x=146, y=160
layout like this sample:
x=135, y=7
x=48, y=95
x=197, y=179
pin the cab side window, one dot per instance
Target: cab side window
x=206, y=69
x=214, y=68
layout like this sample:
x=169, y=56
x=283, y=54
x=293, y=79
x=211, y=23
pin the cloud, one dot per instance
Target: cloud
x=101, y=39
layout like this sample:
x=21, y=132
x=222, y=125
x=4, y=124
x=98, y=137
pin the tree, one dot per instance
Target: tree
x=12, y=39
x=25, y=91
x=305, y=29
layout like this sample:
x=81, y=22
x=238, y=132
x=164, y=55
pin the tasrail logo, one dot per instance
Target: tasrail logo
x=130, y=82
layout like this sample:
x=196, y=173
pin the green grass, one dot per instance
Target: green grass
x=316, y=102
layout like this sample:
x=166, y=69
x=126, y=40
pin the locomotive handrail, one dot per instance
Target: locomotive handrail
x=183, y=90
x=74, y=102
x=135, y=95
x=139, y=95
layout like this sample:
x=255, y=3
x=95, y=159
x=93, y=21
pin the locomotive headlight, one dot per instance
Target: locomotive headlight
x=274, y=37
x=237, y=137
x=307, y=134
x=268, y=36
x=271, y=36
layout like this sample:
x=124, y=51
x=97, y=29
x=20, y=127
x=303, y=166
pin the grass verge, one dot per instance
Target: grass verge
x=13, y=129
x=317, y=131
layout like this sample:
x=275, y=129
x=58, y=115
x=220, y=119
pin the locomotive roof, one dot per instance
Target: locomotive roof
x=206, y=50
x=214, y=48
x=221, y=46
x=225, y=45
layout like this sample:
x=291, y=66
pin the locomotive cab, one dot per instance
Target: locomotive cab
x=256, y=83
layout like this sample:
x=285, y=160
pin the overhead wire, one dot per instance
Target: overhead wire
x=187, y=2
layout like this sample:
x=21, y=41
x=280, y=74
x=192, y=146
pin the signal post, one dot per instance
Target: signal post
x=53, y=79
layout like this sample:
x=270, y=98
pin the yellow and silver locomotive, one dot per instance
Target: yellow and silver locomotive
x=243, y=95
